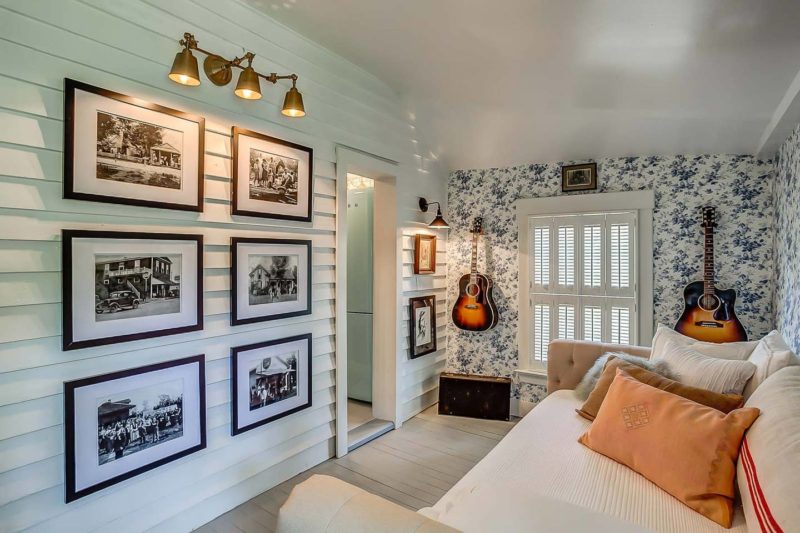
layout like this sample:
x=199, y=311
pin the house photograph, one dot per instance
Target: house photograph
x=442, y=266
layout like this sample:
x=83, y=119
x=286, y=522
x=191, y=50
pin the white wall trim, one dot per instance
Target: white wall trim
x=386, y=328
x=641, y=201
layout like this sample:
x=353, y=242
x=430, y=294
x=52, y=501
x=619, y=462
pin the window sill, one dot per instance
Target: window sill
x=532, y=376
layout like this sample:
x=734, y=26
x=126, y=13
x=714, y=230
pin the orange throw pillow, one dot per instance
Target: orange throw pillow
x=687, y=449
x=721, y=402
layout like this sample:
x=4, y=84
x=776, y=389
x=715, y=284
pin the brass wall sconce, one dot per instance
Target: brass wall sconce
x=439, y=221
x=220, y=71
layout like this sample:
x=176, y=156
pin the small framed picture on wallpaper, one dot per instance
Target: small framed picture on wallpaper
x=424, y=254
x=269, y=380
x=422, y=325
x=122, y=150
x=272, y=178
x=581, y=177
x=120, y=286
x=271, y=279
x=121, y=424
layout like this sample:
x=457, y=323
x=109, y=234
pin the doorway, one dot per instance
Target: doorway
x=367, y=305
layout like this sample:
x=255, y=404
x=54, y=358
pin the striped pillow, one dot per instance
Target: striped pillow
x=768, y=469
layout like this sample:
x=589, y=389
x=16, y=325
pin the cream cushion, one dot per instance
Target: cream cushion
x=724, y=376
x=330, y=505
x=771, y=355
x=728, y=350
x=768, y=469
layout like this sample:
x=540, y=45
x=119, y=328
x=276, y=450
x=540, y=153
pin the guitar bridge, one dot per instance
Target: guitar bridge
x=708, y=324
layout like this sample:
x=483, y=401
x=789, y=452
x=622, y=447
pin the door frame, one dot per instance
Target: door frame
x=387, y=283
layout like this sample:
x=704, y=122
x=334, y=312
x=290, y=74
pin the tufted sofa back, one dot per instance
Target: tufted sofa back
x=568, y=360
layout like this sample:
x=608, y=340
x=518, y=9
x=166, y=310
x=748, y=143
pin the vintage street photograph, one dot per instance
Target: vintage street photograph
x=581, y=176
x=273, y=379
x=136, y=420
x=136, y=285
x=273, y=278
x=132, y=151
x=273, y=178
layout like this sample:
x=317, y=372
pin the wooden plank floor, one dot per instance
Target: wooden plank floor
x=412, y=466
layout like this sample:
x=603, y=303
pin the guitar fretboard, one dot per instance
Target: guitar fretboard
x=708, y=261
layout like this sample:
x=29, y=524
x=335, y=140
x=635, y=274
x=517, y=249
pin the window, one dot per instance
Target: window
x=582, y=279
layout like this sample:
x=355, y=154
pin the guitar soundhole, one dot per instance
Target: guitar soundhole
x=472, y=290
x=709, y=302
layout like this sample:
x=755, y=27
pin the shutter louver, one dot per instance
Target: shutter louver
x=620, y=325
x=592, y=255
x=620, y=255
x=541, y=255
x=592, y=324
x=541, y=331
x=566, y=256
x=566, y=321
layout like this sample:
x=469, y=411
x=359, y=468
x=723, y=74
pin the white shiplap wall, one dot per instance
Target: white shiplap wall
x=128, y=47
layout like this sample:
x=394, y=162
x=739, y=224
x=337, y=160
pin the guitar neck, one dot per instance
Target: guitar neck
x=473, y=269
x=708, y=261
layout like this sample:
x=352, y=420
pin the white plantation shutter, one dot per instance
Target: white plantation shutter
x=583, y=279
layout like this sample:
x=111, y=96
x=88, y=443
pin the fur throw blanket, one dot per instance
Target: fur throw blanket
x=587, y=384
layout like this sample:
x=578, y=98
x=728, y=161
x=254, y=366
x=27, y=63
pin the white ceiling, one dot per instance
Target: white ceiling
x=505, y=82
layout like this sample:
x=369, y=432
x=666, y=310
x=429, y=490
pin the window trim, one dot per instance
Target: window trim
x=641, y=201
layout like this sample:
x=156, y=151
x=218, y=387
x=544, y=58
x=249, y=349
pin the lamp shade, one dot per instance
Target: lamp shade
x=184, y=69
x=293, y=103
x=248, y=86
x=439, y=221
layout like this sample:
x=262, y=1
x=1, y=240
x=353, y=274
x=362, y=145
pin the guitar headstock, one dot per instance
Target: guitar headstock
x=709, y=216
x=477, y=225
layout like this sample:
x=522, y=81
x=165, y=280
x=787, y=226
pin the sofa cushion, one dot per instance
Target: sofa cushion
x=769, y=466
x=687, y=449
x=695, y=369
x=727, y=350
x=541, y=458
x=721, y=402
x=771, y=355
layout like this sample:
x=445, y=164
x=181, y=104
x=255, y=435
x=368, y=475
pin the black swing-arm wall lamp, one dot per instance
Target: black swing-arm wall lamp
x=439, y=221
x=220, y=71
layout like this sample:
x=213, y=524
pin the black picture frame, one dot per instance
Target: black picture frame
x=235, y=351
x=235, y=281
x=590, y=185
x=71, y=493
x=67, y=237
x=413, y=305
x=236, y=209
x=70, y=192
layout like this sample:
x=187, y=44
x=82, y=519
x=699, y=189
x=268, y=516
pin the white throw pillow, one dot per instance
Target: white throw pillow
x=771, y=355
x=769, y=462
x=728, y=350
x=719, y=375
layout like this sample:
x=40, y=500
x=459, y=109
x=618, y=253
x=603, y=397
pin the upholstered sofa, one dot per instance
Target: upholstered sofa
x=539, y=478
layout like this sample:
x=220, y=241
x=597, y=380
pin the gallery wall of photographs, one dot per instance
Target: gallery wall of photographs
x=121, y=286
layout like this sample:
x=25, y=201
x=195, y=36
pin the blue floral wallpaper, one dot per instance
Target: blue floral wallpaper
x=741, y=187
x=786, y=195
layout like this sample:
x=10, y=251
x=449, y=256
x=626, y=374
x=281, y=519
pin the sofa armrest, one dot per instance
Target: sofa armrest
x=568, y=360
x=326, y=504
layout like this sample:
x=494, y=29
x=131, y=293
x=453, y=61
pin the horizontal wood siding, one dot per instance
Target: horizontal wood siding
x=128, y=47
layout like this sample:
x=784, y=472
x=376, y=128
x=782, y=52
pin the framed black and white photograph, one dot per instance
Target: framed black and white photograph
x=582, y=177
x=122, y=150
x=120, y=286
x=422, y=326
x=271, y=279
x=272, y=178
x=121, y=424
x=269, y=380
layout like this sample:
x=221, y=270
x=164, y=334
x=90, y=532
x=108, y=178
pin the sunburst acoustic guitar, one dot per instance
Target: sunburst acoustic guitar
x=475, y=309
x=709, y=314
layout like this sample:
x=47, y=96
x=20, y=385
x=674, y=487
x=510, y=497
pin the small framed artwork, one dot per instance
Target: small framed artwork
x=121, y=424
x=272, y=178
x=269, y=380
x=271, y=279
x=122, y=150
x=424, y=254
x=581, y=177
x=121, y=286
x=422, y=330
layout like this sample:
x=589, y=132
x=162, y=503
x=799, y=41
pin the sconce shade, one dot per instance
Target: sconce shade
x=439, y=221
x=248, y=86
x=293, y=104
x=184, y=69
